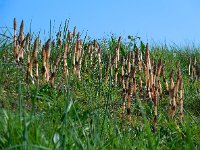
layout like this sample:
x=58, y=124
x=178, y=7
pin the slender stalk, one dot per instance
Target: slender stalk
x=15, y=50
x=100, y=64
x=34, y=55
x=47, y=51
x=189, y=67
x=128, y=63
x=74, y=61
x=181, y=100
x=66, y=49
x=123, y=86
x=21, y=33
x=44, y=63
x=118, y=48
x=52, y=78
x=116, y=68
x=165, y=81
x=36, y=72
x=130, y=91
x=107, y=72
x=74, y=32
x=133, y=58
x=20, y=55
x=171, y=93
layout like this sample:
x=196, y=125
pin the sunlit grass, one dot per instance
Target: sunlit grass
x=83, y=109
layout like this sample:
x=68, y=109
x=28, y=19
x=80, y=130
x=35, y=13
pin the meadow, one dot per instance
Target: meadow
x=73, y=92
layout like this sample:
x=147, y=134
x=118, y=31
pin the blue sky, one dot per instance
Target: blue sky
x=159, y=20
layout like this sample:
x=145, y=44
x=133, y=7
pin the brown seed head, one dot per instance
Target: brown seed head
x=27, y=39
x=69, y=37
x=21, y=33
x=47, y=48
x=15, y=24
x=74, y=32
x=22, y=27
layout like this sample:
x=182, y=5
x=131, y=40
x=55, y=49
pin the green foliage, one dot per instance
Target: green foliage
x=86, y=114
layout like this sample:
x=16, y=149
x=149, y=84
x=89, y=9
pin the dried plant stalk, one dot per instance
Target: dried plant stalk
x=34, y=55
x=44, y=63
x=122, y=71
x=21, y=33
x=194, y=71
x=173, y=107
x=15, y=33
x=36, y=72
x=146, y=71
x=160, y=88
x=140, y=85
x=27, y=42
x=52, y=78
x=123, y=85
x=86, y=58
x=128, y=63
x=79, y=63
x=15, y=28
x=118, y=48
x=175, y=94
x=116, y=71
x=157, y=80
x=136, y=55
x=134, y=86
x=69, y=36
x=89, y=54
x=171, y=93
x=28, y=65
x=181, y=100
x=149, y=91
x=74, y=61
x=78, y=36
x=155, y=101
x=99, y=56
x=20, y=55
x=79, y=68
x=66, y=49
x=15, y=50
x=155, y=91
x=47, y=51
x=130, y=92
x=140, y=65
x=100, y=65
x=151, y=83
x=133, y=58
x=78, y=50
x=178, y=84
x=56, y=63
x=147, y=54
x=127, y=82
x=164, y=80
x=189, y=67
x=74, y=32
x=59, y=39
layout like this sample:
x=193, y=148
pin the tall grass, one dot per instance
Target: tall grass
x=73, y=94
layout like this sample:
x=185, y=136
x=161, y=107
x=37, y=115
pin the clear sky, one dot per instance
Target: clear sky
x=171, y=20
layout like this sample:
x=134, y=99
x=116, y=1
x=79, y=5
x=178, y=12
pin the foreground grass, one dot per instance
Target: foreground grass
x=86, y=114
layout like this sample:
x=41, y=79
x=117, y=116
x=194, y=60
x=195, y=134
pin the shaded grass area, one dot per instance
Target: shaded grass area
x=86, y=114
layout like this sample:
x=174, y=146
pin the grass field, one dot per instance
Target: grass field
x=71, y=92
